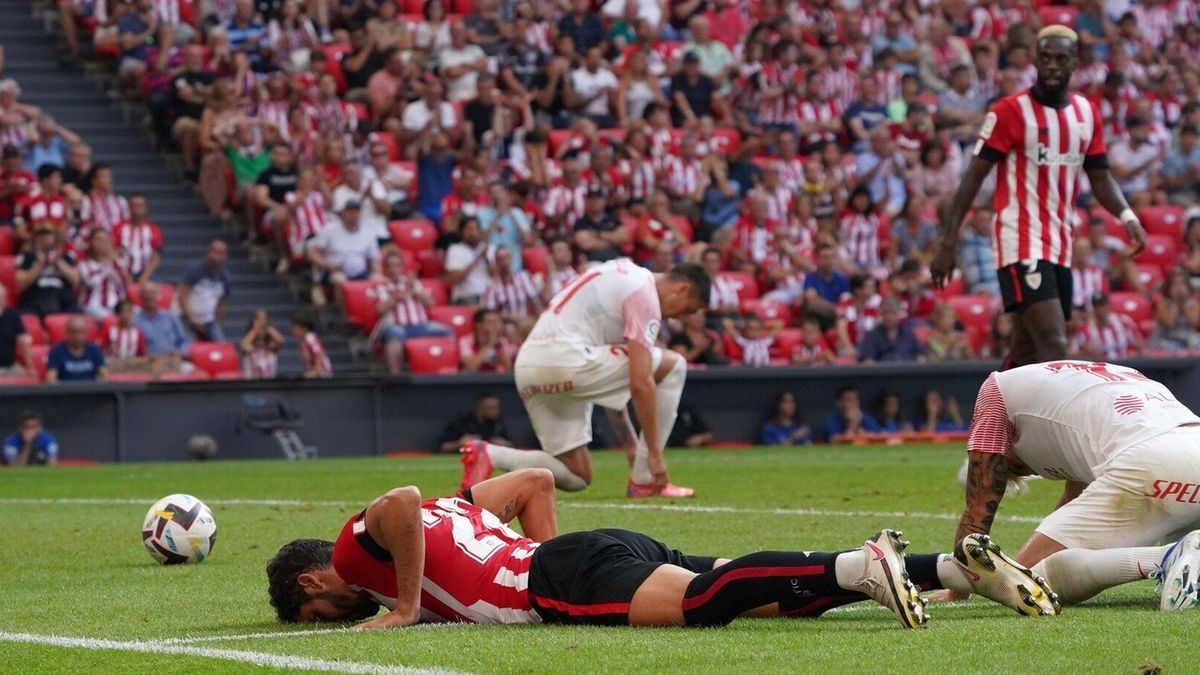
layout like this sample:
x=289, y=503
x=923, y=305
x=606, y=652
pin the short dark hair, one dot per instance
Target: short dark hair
x=283, y=572
x=482, y=312
x=304, y=319
x=696, y=276
x=846, y=389
x=46, y=170
x=858, y=281
x=27, y=415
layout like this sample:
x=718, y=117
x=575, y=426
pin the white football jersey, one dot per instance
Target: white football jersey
x=613, y=303
x=1070, y=418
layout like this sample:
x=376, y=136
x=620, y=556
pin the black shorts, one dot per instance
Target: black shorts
x=590, y=577
x=1025, y=283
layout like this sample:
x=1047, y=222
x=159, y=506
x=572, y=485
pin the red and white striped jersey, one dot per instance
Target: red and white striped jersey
x=101, y=284
x=791, y=171
x=467, y=346
x=103, y=211
x=839, y=86
x=42, y=208
x=860, y=237
x=724, y=294
x=662, y=144
x=681, y=178
x=168, y=12
x=123, y=343
x=16, y=135
x=138, y=244
x=756, y=352
x=476, y=568
x=1117, y=338
x=889, y=85
x=859, y=319
x=782, y=109
x=515, y=296
x=1089, y=77
x=1086, y=282
x=408, y=310
x=313, y=356
x=275, y=113
x=1154, y=24
x=756, y=240
x=567, y=204
x=1039, y=152
x=454, y=203
x=779, y=202
x=638, y=178
x=819, y=112
x=333, y=116
x=987, y=85
x=1026, y=77
x=260, y=363
x=307, y=221
x=1067, y=419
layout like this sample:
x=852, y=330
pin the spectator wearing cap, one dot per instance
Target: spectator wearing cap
x=1136, y=163
x=204, y=293
x=15, y=343
x=597, y=233
x=511, y=292
x=16, y=183
x=47, y=276
x=593, y=89
x=692, y=92
x=165, y=335
x=76, y=358
x=30, y=444
x=582, y=26
x=892, y=339
x=1181, y=169
x=401, y=303
x=344, y=251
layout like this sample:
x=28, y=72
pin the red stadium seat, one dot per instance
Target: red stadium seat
x=8, y=277
x=33, y=327
x=536, y=259
x=1165, y=220
x=974, y=310
x=437, y=290
x=19, y=380
x=1134, y=305
x=725, y=141
x=214, y=357
x=684, y=225
x=747, y=287
x=767, y=310
x=194, y=376
x=612, y=136
x=462, y=7
x=1160, y=250
x=130, y=377
x=388, y=139
x=1063, y=14
x=6, y=241
x=107, y=323
x=231, y=375
x=39, y=354
x=785, y=343
x=56, y=327
x=1112, y=226
x=166, y=295
x=413, y=235
x=555, y=140
x=360, y=309
x=954, y=287
x=411, y=6
x=458, y=318
x=1151, y=276
x=408, y=260
x=431, y=355
x=431, y=262
x=978, y=337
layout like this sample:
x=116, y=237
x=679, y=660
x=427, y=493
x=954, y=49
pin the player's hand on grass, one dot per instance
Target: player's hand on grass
x=389, y=620
x=946, y=595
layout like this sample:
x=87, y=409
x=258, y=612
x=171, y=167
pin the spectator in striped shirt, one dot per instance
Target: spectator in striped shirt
x=139, y=240
x=754, y=339
x=101, y=207
x=102, y=277
x=260, y=348
x=15, y=182
x=812, y=350
x=1108, y=335
x=123, y=343
x=401, y=302
x=511, y=292
x=313, y=358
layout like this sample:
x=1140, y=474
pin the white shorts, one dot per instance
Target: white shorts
x=560, y=399
x=1149, y=493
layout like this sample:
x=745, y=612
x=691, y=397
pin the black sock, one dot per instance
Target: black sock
x=794, y=580
x=922, y=570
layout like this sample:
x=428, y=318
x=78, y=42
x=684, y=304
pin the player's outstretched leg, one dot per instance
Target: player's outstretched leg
x=1180, y=573
x=999, y=578
x=480, y=459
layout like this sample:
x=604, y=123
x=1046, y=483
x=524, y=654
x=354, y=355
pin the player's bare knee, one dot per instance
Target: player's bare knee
x=540, y=479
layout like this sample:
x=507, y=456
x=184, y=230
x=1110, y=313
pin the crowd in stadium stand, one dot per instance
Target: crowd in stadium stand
x=438, y=170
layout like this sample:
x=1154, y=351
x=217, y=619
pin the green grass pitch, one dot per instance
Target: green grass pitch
x=72, y=565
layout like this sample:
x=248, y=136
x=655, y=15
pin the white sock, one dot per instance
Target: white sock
x=951, y=574
x=666, y=409
x=1077, y=574
x=849, y=568
x=511, y=459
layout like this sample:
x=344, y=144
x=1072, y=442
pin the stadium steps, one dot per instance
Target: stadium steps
x=75, y=95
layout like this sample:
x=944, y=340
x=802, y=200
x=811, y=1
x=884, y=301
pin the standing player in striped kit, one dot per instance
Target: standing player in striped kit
x=1040, y=139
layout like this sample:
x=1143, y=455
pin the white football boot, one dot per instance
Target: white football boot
x=1180, y=570
x=886, y=581
x=997, y=577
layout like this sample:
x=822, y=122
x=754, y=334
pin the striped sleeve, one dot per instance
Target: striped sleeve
x=991, y=430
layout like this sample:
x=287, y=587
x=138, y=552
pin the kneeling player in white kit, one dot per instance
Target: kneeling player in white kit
x=1130, y=455
x=595, y=345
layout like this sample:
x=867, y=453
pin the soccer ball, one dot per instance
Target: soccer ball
x=179, y=529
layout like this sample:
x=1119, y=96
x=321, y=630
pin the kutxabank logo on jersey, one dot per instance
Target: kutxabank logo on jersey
x=1045, y=156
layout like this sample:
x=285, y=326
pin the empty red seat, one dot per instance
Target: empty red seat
x=413, y=235
x=56, y=327
x=973, y=310
x=1134, y=305
x=411, y=6
x=766, y=310
x=39, y=354
x=786, y=342
x=8, y=277
x=360, y=308
x=536, y=259
x=747, y=287
x=1062, y=14
x=725, y=141
x=1164, y=220
x=458, y=318
x=431, y=355
x=1160, y=250
x=1151, y=276
x=555, y=140
x=388, y=139
x=19, y=380
x=214, y=357
x=33, y=328
x=6, y=241
x=431, y=262
x=438, y=292
x=166, y=294
x=954, y=287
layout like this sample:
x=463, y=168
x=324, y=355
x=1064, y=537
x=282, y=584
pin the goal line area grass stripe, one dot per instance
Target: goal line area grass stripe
x=682, y=508
x=264, y=659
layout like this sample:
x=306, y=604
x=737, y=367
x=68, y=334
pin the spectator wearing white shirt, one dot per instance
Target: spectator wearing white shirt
x=460, y=64
x=466, y=264
x=372, y=198
x=594, y=88
x=425, y=116
x=1136, y=163
x=396, y=181
x=343, y=251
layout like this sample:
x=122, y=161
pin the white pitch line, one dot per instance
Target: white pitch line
x=682, y=508
x=263, y=659
x=290, y=633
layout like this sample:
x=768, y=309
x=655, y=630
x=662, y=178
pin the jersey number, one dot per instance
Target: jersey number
x=469, y=536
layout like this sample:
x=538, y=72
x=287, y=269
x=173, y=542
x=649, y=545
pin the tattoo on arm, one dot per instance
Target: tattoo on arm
x=987, y=478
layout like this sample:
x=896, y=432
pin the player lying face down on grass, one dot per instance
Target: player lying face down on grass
x=1129, y=453
x=455, y=559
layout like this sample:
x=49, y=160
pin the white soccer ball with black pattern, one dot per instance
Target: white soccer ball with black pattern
x=179, y=529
